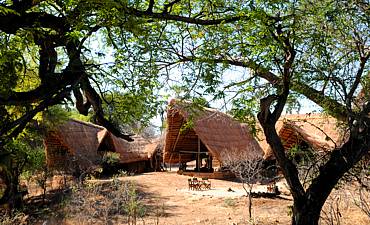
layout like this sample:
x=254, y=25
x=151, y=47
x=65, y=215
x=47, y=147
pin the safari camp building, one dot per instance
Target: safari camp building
x=315, y=131
x=206, y=136
x=81, y=145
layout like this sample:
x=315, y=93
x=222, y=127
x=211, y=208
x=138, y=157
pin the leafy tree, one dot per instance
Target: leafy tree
x=53, y=50
x=319, y=50
x=316, y=50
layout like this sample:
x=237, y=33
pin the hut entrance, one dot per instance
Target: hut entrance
x=198, y=160
x=202, y=162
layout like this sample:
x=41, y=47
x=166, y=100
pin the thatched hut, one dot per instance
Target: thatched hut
x=317, y=131
x=206, y=136
x=81, y=145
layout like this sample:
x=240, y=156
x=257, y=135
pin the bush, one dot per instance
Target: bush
x=13, y=218
x=110, y=162
x=229, y=202
x=105, y=202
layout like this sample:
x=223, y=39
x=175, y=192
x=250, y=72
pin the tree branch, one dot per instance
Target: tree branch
x=16, y=126
x=340, y=161
x=169, y=5
x=336, y=109
x=358, y=77
x=150, y=7
x=190, y=20
x=273, y=139
x=95, y=100
x=82, y=107
x=11, y=23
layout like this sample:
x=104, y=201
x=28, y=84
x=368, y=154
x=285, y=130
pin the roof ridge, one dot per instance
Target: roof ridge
x=178, y=102
x=307, y=114
x=87, y=123
x=301, y=117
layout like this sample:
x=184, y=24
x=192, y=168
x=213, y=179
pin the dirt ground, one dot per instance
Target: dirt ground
x=166, y=194
x=218, y=206
x=215, y=206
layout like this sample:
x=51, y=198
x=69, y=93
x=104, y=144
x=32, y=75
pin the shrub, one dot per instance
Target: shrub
x=110, y=162
x=13, y=218
x=105, y=202
x=229, y=202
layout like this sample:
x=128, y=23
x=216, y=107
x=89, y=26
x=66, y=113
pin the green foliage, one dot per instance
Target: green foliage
x=188, y=125
x=301, y=154
x=133, y=111
x=199, y=102
x=19, y=158
x=56, y=115
x=25, y=158
x=111, y=158
x=294, y=151
x=75, y=115
x=245, y=110
x=134, y=207
x=10, y=62
x=194, y=108
x=35, y=162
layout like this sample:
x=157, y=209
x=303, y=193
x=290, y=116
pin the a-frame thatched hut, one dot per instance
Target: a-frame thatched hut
x=317, y=131
x=205, y=134
x=77, y=145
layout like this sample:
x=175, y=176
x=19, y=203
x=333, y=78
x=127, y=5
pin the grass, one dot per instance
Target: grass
x=229, y=202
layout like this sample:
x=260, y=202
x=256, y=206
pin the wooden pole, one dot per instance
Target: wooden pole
x=170, y=160
x=180, y=163
x=209, y=163
x=199, y=162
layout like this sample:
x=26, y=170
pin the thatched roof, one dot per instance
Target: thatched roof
x=85, y=140
x=217, y=131
x=138, y=150
x=81, y=139
x=319, y=131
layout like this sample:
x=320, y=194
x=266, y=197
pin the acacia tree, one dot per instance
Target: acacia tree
x=51, y=45
x=48, y=53
x=318, y=50
x=291, y=49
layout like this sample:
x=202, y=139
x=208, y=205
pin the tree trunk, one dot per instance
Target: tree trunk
x=305, y=213
x=12, y=198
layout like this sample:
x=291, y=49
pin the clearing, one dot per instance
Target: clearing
x=168, y=192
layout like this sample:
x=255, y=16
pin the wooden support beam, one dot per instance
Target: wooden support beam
x=199, y=162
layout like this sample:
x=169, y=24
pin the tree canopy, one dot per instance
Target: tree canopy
x=89, y=51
